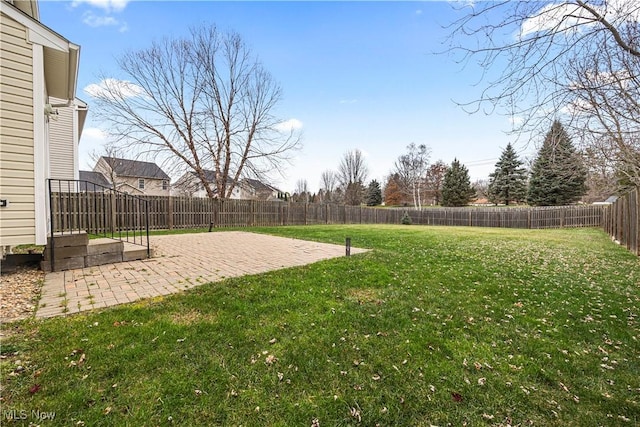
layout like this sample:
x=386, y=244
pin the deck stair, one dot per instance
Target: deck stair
x=78, y=251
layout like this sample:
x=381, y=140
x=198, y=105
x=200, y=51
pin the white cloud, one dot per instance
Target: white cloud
x=92, y=142
x=289, y=125
x=109, y=88
x=557, y=17
x=93, y=20
x=516, y=120
x=107, y=5
x=419, y=12
x=348, y=101
x=95, y=134
x=567, y=15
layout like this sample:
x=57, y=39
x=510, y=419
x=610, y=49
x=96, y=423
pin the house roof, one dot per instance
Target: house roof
x=135, y=168
x=94, y=178
x=260, y=186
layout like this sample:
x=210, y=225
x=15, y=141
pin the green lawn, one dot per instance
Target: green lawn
x=435, y=326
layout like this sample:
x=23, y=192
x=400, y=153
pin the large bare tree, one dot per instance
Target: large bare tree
x=328, y=181
x=203, y=102
x=575, y=60
x=352, y=173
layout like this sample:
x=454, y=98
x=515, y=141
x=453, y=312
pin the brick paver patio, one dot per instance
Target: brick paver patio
x=181, y=261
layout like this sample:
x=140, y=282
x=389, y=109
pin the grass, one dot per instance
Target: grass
x=435, y=326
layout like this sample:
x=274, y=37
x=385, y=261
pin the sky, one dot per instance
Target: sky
x=365, y=75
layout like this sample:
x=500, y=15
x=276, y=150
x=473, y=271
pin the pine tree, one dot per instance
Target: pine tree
x=374, y=194
x=392, y=193
x=456, y=187
x=558, y=175
x=508, y=183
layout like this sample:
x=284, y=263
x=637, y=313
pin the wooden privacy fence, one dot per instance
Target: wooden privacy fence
x=108, y=212
x=622, y=221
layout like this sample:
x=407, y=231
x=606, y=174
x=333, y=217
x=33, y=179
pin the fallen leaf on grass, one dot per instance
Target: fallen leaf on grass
x=355, y=413
x=457, y=397
x=34, y=388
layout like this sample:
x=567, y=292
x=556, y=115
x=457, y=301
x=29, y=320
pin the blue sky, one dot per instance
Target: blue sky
x=356, y=74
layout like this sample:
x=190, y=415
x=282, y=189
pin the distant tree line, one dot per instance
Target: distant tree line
x=558, y=176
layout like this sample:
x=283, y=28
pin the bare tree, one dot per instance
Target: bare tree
x=352, y=173
x=204, y=102
x=328, y=182
x=412, y=168
x=301, y=193
x=352, y=168
x=575, y=60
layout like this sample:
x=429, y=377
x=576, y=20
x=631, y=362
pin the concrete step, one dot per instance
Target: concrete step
x=104, y=246
x=134, y=252
x=77, y=251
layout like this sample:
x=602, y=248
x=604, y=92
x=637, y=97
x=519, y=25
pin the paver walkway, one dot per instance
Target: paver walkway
x=180, y=262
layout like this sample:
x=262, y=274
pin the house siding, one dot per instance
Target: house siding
x=62, y=142
x=129, y=184
x=152, y=187
x=17, y=221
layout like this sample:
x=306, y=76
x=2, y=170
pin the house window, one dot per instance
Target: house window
x=141, y=184
x=165, y=184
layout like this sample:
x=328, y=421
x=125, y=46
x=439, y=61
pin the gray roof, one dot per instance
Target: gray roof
x=260, y=186
x=611, y=199
x=135, y=168
x=95, y=178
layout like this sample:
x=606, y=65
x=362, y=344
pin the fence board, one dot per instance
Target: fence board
x=622, y=221
x=101, y=211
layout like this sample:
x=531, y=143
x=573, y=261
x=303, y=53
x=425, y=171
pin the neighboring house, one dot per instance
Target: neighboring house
x=88, y=178
x=133, y=176
x=248, y=189
x=190, y=185
x=254, y=189
x=40, y=119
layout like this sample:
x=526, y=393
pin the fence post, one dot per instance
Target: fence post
x=637, y=208
x=170, y=212
x=113, y=213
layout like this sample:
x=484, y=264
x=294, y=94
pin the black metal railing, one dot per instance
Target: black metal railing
x=77, y=206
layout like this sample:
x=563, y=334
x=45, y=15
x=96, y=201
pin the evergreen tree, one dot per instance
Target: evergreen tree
x=374, y=194
x=392, y=193
x=509, y=180
x=558, y=175
x=456, y=187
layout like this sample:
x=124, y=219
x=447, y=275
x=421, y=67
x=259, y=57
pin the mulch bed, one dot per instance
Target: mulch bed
x=19, y=294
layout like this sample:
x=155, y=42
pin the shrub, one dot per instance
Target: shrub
x=406, y=219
